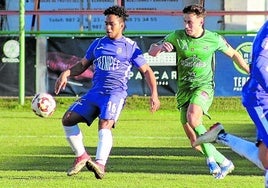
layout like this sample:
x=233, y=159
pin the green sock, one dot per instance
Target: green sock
x=208, y=148
x=219, y=158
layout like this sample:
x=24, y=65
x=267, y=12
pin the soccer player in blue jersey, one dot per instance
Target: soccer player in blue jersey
x=255, y=100
x=112, y=57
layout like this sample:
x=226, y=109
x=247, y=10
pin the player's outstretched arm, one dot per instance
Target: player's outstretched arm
x=151, y=82
x=61, y=81
x=238, y=59
x=159, y=47
x=75, y=70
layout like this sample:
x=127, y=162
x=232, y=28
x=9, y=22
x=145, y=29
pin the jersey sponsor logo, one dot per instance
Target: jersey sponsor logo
x=192, y=62
x=107, y=63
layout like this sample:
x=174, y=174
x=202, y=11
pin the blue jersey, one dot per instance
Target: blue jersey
x=255, y=91
x=257, y=86
x=113, y=60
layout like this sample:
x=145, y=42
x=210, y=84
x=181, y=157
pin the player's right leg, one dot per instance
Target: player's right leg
x=203, y=98
x=209, y=151
x=241, y=146
x=97, y=168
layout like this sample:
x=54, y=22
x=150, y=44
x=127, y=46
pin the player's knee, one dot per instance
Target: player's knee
x=192, y=140
x=106, y=124
x=265, y=163
x=66, y=119
x=263, y=154
x=65, y=122
x=264, y=160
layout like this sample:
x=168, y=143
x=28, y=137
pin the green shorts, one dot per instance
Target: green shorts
x=202, y=97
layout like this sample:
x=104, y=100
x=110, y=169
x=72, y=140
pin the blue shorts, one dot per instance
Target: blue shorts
x=256, y=104
x=93, y=105
x=259, y=116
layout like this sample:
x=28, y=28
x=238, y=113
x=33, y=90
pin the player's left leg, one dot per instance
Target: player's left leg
x=266, y=179
x=199, y=104
x=259, y=115
x=110, y=109
x=105, y=143
x=194, y=118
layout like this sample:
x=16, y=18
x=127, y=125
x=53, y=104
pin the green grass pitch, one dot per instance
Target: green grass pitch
x=149, y=150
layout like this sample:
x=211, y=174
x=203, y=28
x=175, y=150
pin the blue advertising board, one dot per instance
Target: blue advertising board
x=229, y=78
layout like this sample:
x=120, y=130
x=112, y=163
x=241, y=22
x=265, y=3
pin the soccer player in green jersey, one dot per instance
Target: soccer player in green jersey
x=195, y=47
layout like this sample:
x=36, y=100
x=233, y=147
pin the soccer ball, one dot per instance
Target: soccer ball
x=43, y=104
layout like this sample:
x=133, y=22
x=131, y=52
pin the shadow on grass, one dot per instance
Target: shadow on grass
x=124, y=159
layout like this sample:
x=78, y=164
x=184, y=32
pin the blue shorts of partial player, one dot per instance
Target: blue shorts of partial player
x=104, y=106
x=257, y=108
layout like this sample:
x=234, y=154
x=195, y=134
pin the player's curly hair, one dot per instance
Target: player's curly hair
x=195, y=9
x=118, y=11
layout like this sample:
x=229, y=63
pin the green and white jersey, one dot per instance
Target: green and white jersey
x=194, y=58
